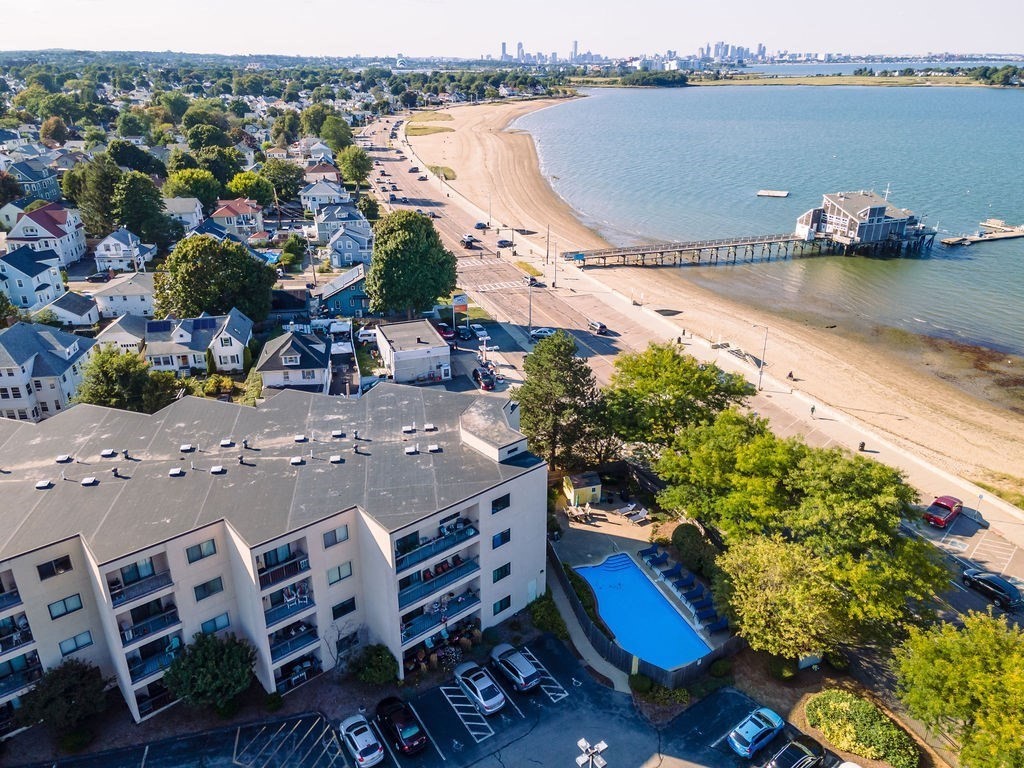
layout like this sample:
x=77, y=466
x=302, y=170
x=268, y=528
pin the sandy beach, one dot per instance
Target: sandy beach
x=956, y=407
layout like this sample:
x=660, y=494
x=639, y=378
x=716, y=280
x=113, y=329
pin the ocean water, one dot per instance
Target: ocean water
x=682, y=164
x=847, y=68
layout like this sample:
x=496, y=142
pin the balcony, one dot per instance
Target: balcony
x=120, y=595
x=435, y=547
x=146, y=667
x=21, y=679
x=9, y=599
x=14, y=640
x=416, y=592
x=281, y=612
x=150, y=704
x=427, y=623
x=292, y=639
x=152, y=625
x=296, y=564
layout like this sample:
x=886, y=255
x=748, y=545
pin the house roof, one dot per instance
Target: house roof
x=181, y=205
x=125, y=237
x=135, y=284
x=854, y=203
x=42, y=345
x=75, y=303
x=322, y=168
x=324, y=187
x=238, y=207
x=53, y=217
x=302, y=345
x=133, y=325
x=340, y=283
x=194, y=334
x=30, y=170
x=30, y=262
x=332, y=213
x=23, y=202
x=414, y=334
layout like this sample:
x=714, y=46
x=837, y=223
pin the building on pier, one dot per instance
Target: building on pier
x=864, y=222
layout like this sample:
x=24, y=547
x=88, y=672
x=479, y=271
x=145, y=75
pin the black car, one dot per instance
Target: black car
x=99, y=277
x=400, y=726
x=464, y=333
x=994, y=587
x=801, y=752
x=503, y=243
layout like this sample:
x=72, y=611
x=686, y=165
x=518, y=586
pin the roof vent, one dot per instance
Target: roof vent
x=217, y=469
x=64, y=459
x=337, y=433
x=297, y=461
x=412, y=450
x=434, y=448
x=430, y=427
x=408, y=429
x=186, y=447
x=43, y=485
x=300, y=438
x=107, y=453
x=336, y=458
x=87, y=481
x=227, y=442
x=176, y=472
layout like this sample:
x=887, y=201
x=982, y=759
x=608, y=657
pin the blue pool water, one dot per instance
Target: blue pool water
x=644, y=622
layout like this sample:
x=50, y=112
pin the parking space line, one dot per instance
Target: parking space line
x=551, y=687
x=508, y=698
x=387, y=746
x=475, y=723
x=429, y=734
x=720, y=739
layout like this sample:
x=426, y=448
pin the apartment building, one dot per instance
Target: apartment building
x=309, y=526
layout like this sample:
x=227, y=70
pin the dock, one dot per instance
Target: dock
x=772, y=193
x=729, y=250
x=995, y=229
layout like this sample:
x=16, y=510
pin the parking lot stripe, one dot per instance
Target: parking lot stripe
x=721, y=738
x=958, y=585
x=551, y=687
x=475, y=723
x=509, y=699
x=380, y=735
x=429, y=734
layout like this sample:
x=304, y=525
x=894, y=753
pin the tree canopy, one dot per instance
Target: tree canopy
x=194, y=182
x=335, y=133
x=223, y=163
x=410, y=268
x=10, y=189
x=137, y=205
x=122, y=380
x=91, y=186
x=55, y=129
x=65, y=697
x=355, y=165
x=211, y=671
x=253, y=186
x=127, y=154
x=203, y=274
x=286, y=178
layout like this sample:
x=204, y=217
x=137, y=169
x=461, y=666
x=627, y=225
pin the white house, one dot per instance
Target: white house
x=320, y=193
x=181, y=345
x=414, y=352
x=40, y=370
x=130, y=294
x=296, y=361
x=74, y=309
x=187, y=210
x=240, y=217
x=30, y=279
x=53, y=227
x=11, y=212
x=127, y=333
x=123, y=251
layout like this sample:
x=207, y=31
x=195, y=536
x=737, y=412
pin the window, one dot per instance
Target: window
x=54, y=567
x=339, y=572
x=351, y=640
x=308, y=375
x=76, y=643
x=208, y=588
x=502, y=605
x=343, y=608
x=201, y=550
x=336, y=536
x=500, y=573
x=5, y=393
x=225, y=341
x=500, y=503
x=64, y=607
x=215, y=624
x=499, y=539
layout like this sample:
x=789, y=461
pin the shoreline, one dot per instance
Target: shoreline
x=940, y=400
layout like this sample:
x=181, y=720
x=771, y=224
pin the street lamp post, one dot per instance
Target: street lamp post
x=529, y=317
x=591, y=757
x=764, y=351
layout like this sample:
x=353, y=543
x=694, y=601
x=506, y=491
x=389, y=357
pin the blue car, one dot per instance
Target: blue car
x=756, y=730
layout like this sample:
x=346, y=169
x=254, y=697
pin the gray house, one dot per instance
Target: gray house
x=296, y=361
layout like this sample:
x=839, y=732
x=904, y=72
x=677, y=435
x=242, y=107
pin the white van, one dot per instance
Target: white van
x=367, y=334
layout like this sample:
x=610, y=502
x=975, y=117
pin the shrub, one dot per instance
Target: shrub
x=273, y=702
x=492, y=636
x=377, y=666
x=545, y=616
x=694, y=550
x=855, y=725
x=661, y=695
x=720, y=668
x=640, y=684
x=838, y=660
x=553, y=525
x=76, y=740
x=782, y=669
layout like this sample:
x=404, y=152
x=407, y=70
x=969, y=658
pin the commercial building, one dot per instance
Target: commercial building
x=414, y=352
x=864, y=221
x=309, y=526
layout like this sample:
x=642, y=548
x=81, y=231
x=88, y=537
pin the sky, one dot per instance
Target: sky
x=472, y=28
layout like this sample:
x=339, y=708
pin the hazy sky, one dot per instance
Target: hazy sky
x=470, y=28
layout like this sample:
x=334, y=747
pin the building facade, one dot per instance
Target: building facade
x=414, y=352
x=123, y=251
x=31, y=279
x=40, y=370
x=53, y=227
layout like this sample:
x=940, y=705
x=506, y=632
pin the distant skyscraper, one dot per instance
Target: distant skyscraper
x=519, y=52
x=504, y=51
x=575, y=50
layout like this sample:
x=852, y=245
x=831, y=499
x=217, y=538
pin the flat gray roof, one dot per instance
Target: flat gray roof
x=414, y=334
x=263, y=499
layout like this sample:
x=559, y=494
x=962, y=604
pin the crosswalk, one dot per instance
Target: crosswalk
x=470, y=716
x=504, y=286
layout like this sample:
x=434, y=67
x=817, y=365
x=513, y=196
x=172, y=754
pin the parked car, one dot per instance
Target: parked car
x=434, y=215
x=518, y=669
x=943, y=511
x=467, y=241
x=756, y=730
x=504, y=243
x=445, y=330
x=597, y=327
x=361, y=741
x=414, y=169
x=367, y=334
x=99, y=277
x=483, y=378
x=405, y=199
x=400, y=726
x=993, y=586
x=542, y=333
x=480, y=687
x=422, y=178
x=801, y=752
x=392, y=198
x=480, y=225
x=464, y=333
x=479, y=330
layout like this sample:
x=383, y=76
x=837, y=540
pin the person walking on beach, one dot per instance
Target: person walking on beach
x=812, y=411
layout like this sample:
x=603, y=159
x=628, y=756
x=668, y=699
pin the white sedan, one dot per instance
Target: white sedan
x=542, y=333
x=479, y=330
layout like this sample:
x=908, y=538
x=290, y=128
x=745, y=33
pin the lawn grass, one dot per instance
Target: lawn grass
x=423, y=117
x=1006, y=487
x=426, y=130
x=366, y=364
x=442, y=171
x=529, y=268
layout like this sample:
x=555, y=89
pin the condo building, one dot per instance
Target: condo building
x=310, y=526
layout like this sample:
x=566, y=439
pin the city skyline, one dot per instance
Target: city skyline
x=453, y=28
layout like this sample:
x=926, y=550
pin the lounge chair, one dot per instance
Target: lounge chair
x=657, y=560
x=694, y=593
x=637, y=517
x=706, y=614
x=685, y=582
x=704, y=601
x=672, y=572
x=651, y=550
x=718, y=626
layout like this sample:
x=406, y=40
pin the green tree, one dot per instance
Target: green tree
x=65, y=697
x=312, y=119
x=355, y=165
x=336, y=133
x=126, y=154
x=410, y=266
x=121, y=380
x=286, y=177
x=93, y=136
x=133, y=124
x=55, y=129
x=91, y=186
x=656, y=392
x=180, y=160
x=286, y=128
x=196, y=183
x=175, y=102
x=205, y=112
x=211, y=671
x=139, y=207
x=202, y=135
x=968, y=683
x=368, y=206
x=205, y=275
x=559, y=400
x=7, y=309
x=222, y=163
x=10, y=189
x=253, y=186
x=45, y=316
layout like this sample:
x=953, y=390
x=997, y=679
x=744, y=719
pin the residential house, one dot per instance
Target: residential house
x=212, y=229
x=276, y=153
x=248, y=154
x=11, y=140
x=10, y=212
x=318, y=152
x=433, y=531
x=348, y=234
x=296, y=361
x=40, y=370
x=322, y=172
x=30, y=279
x=344, y=295
x=74, y=309
x=182, y=345
x=187, y=210
x=130, y=294
x=414, y=352
x=123, y=251
x=320, y=193
x=127, y=333
x=36, y=179
x=66, y=160
x=240, y=217
x=53, y=227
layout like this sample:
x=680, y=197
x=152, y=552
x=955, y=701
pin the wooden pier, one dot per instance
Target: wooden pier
x=994, y=232
x=697, y=252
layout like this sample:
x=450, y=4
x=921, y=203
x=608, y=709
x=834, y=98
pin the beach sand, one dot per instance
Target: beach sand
x=958, y=407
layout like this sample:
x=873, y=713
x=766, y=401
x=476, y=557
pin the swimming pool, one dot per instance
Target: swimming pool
x=645, y=623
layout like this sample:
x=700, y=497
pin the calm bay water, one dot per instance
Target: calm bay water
x=681, y=164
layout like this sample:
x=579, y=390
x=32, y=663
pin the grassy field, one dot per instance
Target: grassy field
x=426, y=130
x=529, y=268
x=425, y=117
x=442, y=171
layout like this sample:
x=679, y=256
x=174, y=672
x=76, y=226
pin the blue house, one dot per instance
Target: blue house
x=36, y=179
x=345, y=295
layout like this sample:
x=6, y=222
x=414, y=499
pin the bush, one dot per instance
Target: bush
x=694, y=550
x=837, y=660
x=720, y=668
x=663, y=696
x=273, y=702
x=553, y=525
x=217, y=383
x=76, y=740
x=545, y=616
x=377, y=666
x=853, y=724
x=640, y=684
x=782, y=669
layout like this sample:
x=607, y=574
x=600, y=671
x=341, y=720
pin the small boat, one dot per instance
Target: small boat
x=772, y=193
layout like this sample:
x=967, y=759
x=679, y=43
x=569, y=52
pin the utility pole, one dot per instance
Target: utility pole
x=547, y=245
x=554, y=281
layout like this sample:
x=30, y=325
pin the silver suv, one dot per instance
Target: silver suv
x=515, y=666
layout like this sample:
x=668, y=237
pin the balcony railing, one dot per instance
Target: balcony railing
x=150, y=666
x=281, y=612
x=435, y=547
x=150, y=626
x=429, y=622
x=141, y=588
x=299, y=563
x=21, y=679
x=148, y=706
x=9, y=599
x=285, y=647
x=411, y=594
x=14, y=640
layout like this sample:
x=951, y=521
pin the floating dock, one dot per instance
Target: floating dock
x=772, y=193
x=995, y=229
